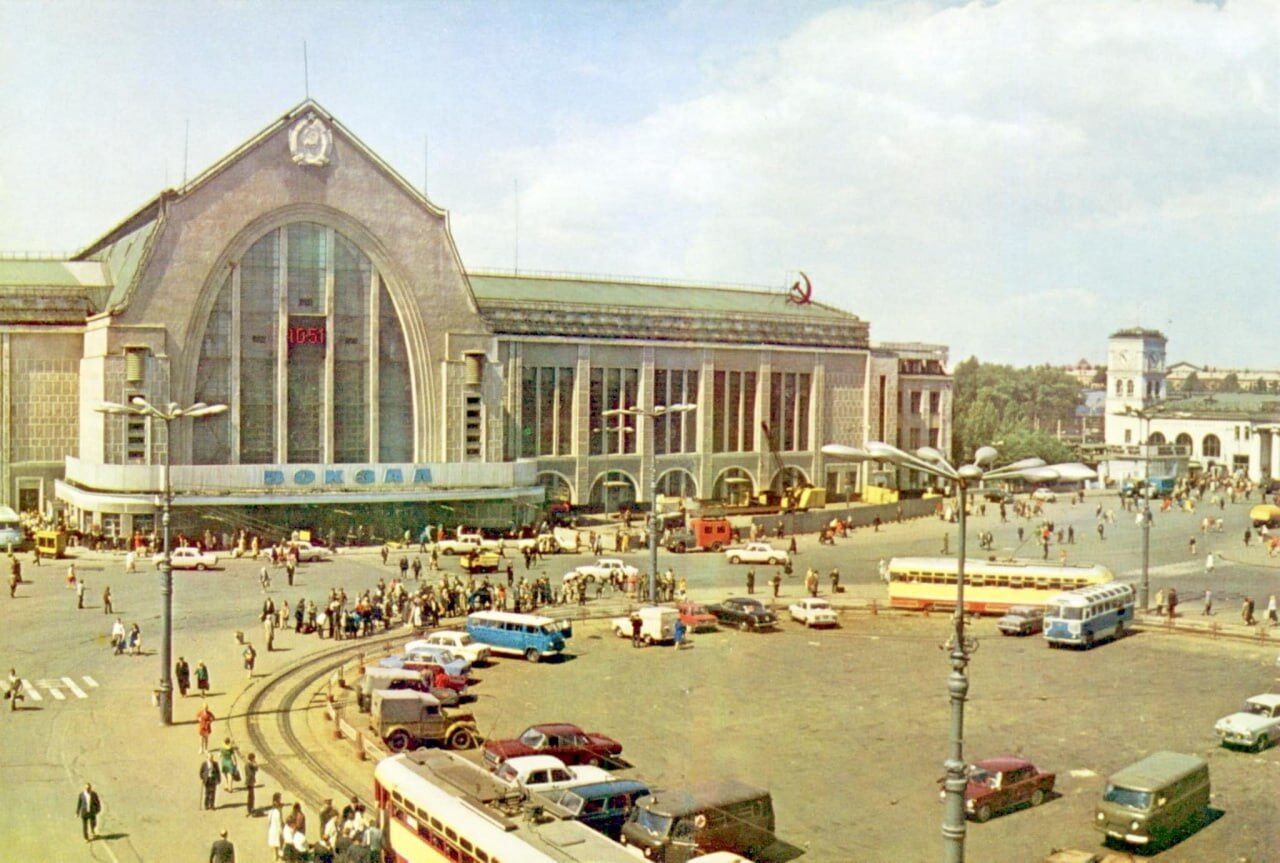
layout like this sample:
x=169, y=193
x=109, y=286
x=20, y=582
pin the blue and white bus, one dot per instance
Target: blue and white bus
x=526, y=635
x=12, y=536
x=1086, y=616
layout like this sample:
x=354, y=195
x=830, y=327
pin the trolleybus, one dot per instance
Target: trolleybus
x=437, y=807
x=1083, y=617
x=990, y=587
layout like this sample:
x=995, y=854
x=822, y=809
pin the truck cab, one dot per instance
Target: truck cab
x=405, y=719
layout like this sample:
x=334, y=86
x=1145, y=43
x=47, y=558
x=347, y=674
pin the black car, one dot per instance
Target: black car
x=744, y=613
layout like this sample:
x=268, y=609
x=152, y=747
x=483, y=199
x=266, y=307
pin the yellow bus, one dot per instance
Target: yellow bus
x=990, y=587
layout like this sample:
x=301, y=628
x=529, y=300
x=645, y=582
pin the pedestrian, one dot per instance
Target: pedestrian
x=1160, y=601
x=385, y=551
x=14, y=689
x=811, y=581
x=269, y=632
x=275, y=826
x=1191, y=544
x=209, y=776
x=222, y=851
x=1208, y=564
x=228, y=763
x=1271, y=610
x=250, y=657
x=290, y=567
x=202, y=679
x=71, y=575
x=1020, y=532
x=264, y=579
x=777, y=583
x=204, y=726
x=106, y=600
x=792, y=547
x=1248, y=535
x=15, y=576
x=80, y=589
x=1071, y=534
x=636, y=625
x=88, y=808
x=417, y=569
x=182, y=672
x=250, y=783
x=834, y=575
x=131, y=561
x=135, y=640
x=1101, y=531
x=1173, y=603
x=751, y=581
x=1208, y=602
x=946, y=541
x=1246, y=611
x=680, y=630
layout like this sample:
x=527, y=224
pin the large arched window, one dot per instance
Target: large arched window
x=613, y=490
x=1184, y=440
x=304, y=343
x=1211, y=447
x=1156, y=439
x=733, y=486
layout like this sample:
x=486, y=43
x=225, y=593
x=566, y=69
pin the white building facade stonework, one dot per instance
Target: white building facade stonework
x=306, y=285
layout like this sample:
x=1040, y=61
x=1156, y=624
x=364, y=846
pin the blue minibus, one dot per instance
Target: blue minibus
x=526, y=635
x=1083, y=617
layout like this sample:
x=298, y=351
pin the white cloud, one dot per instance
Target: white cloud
x=926, y=164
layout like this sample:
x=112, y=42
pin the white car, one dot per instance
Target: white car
x=545, y=772
x=812, y=611
x=459, y=545
x=757, y=552
x=1044, y=495
x=1256, y=726
x=602, y=570
x=308, y=553
x=457, y=643
x=187, y=558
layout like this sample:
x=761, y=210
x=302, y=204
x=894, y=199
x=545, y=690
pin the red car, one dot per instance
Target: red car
x=567, y=742
x=999, y=784
x=695, y=616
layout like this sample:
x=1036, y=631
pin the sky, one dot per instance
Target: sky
x=1013, y=179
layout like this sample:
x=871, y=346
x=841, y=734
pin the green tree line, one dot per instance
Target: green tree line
x=1015, y=409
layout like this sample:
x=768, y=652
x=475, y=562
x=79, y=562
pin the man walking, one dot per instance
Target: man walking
x=80, y=588
x=88, y=808
x=250, y=783
x=222, y=850
x=1208, y=602
x=182, y=672
x=210, y=776
x=751, y=581
x=777, y=583
x=106, y=600
x=1246, y=611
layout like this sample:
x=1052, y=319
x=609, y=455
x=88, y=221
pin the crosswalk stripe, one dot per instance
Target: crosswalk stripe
x=89, y=680
x=57, y=694
x=32, y=692
x=71, y=684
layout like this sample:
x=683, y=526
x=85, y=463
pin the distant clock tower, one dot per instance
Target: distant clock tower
x=1135, y=379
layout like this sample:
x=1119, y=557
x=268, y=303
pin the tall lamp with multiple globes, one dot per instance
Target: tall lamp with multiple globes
x=651, y=467
x=932, y=462
x=138, y=406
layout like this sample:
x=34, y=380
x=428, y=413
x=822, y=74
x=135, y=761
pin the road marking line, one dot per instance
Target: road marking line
x=89, y=680
x=32, y=692
x=55, y=693
x=71, y=684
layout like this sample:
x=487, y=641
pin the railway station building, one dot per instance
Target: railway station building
x=371, y=376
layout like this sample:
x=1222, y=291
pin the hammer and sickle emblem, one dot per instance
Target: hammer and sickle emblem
x=801, y=296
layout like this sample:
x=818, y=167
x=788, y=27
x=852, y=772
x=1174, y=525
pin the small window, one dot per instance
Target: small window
x=593, y=806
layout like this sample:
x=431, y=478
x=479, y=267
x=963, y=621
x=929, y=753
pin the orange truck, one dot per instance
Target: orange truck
x=702, y=534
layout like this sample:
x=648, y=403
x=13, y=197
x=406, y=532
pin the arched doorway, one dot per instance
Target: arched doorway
x=612, y=491
x=733, y=486
x=1184, y=440
x=1211, y=447
x=677, y=482
x=788, y=477
x=1156, y=439
x=558, y=488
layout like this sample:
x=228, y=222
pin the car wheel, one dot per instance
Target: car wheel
x=735, y=559
x=983, y=815
x=461, y=739
x=399, y=741
x=532, y=654
x=773, y=561
x=593, y=762
x=201, y=567
x=681, y=548
x=647, y=640
x=1037, y=797
x=717, y=546
x=743, y=625
x=1263, y=743
x=1119, y=631
x=1088, y=641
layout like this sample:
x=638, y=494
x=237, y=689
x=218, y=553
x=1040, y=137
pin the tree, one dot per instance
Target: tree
x=1016, y=407
x=1191, y=384
x=1230, y=383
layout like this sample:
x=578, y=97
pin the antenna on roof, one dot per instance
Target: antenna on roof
x=306, y=72
x=516, y=263
x=186, y=139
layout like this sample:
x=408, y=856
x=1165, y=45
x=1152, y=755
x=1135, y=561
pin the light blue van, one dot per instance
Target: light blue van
x=526, y=635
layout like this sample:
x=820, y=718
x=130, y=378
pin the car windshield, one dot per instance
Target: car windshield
x=818, y=603
x=534, y=739
x=697, y=609
x=657, y=825
x=565, y=798
x=985, y=778
x=549, y=629
x=463, y=639
x=506, y=773
x=1066, y=612
x=1256, y=709
x=1128, y=797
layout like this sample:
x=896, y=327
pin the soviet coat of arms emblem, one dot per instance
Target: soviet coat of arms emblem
x=310, y=141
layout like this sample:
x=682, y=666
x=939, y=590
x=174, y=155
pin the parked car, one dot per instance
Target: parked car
x=378, y=678
x=426, y=661
x=696, y=617
x=997, y=495
x=1154, y=800
x=1256, y=726
x=543, y=772
x=1000, y=784
x=813, y=611
x=657, y=624
x=456, y=642
x=602, y=806
x=744, y=613
x=187, y=558
x=602, y=570
x=1022, y=620
x=1044, y=495
x=757, y=552
x=309, y=553
x=567, y=742
x=458, y=545
x=404, y=719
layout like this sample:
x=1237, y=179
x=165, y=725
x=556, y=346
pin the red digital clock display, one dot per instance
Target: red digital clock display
x=306, y=335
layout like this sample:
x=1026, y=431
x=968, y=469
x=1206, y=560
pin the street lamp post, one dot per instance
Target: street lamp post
x=651, y=464
x=1144, y=416
x=138, y=406
x=930, y=461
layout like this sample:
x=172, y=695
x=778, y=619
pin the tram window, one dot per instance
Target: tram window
x=435, y=823
x=453, y=837
x=975, y=580
x=466, y=845
x=483, y=857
